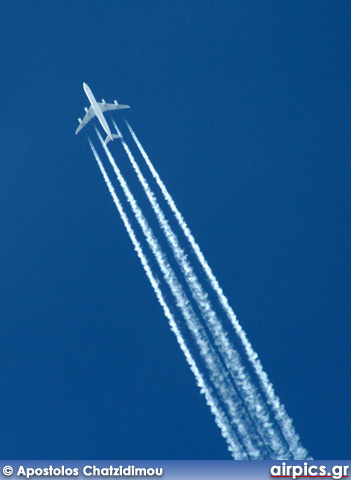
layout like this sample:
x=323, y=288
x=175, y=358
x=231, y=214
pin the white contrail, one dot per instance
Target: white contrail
x=278, y=409
x=218, y=375
x=234, y=445
x=256, y=407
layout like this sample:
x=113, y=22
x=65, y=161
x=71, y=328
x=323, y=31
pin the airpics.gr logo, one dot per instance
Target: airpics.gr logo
x=295, y=471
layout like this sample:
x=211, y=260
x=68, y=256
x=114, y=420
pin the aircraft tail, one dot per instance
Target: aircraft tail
x=112, y=137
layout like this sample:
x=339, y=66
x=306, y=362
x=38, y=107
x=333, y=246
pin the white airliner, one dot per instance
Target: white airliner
x=97, y=109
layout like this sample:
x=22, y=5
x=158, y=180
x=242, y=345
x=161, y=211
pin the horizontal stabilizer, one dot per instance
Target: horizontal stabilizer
x=113, y=135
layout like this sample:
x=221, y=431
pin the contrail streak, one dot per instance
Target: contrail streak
x=234, y=445
x=256, y=407
x=278, y=409
x=217, y=374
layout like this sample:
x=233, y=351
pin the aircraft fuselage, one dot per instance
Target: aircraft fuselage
x=97, y=110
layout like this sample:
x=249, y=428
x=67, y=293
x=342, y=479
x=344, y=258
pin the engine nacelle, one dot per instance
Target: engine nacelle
x=103, y=101
x=86, y=109
x=79, y=120
x=115, y=102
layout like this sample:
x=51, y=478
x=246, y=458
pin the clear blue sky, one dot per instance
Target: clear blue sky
x=244, y=108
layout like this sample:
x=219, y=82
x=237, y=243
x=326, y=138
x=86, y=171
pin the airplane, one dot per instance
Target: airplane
x=97, y=109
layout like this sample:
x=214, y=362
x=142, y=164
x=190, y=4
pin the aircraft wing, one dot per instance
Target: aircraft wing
x=105, y=107
x=88, y=116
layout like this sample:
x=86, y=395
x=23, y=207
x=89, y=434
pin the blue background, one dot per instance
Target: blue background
x=244, y=108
